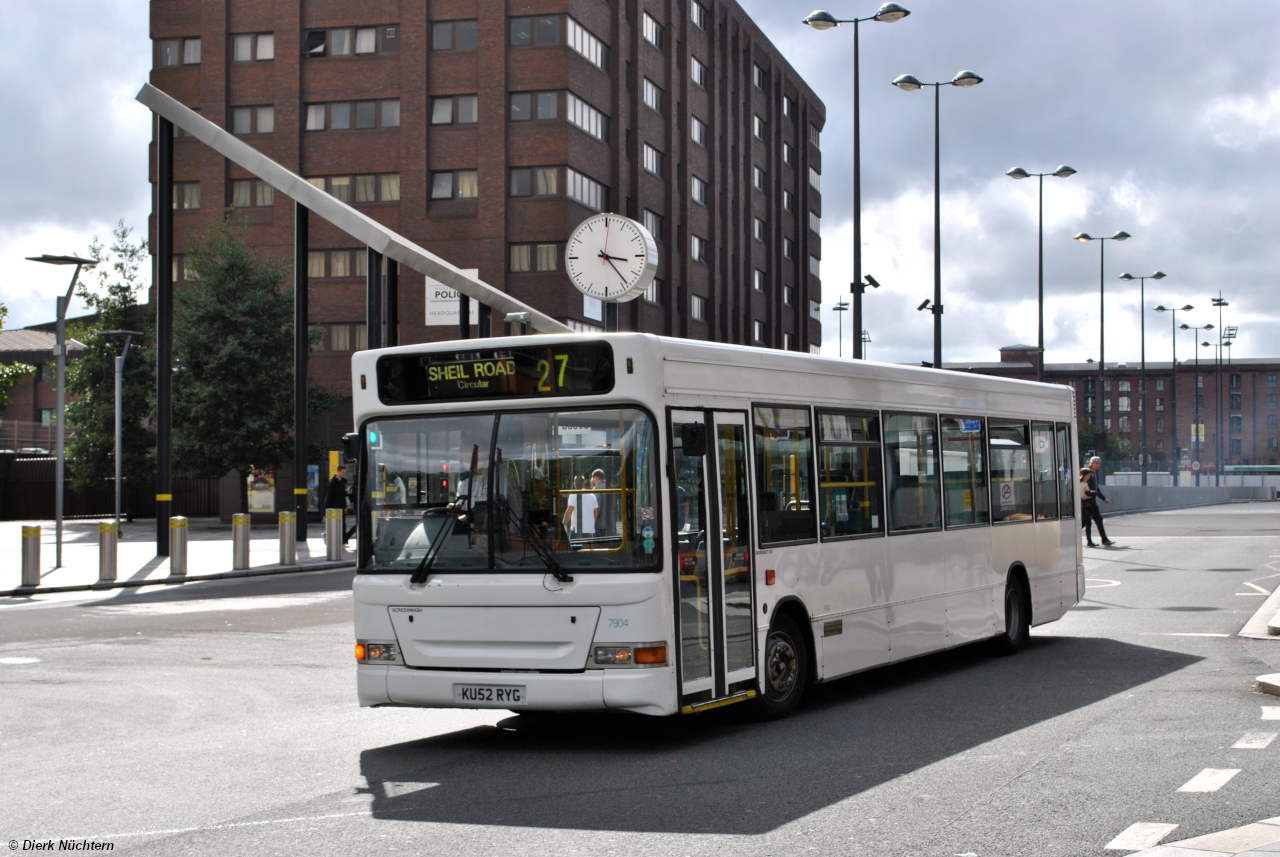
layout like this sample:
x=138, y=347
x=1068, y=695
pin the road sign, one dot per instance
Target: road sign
x=1195, y=465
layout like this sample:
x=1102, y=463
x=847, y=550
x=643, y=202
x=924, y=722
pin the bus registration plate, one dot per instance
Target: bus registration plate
x=484, y=695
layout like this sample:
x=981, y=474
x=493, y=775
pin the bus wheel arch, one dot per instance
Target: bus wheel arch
x=790, y=644
x=1016, y=613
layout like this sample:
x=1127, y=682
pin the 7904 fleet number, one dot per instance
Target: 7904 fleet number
x=484, y=695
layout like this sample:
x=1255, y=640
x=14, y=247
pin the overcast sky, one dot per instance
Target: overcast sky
x=1169, y=111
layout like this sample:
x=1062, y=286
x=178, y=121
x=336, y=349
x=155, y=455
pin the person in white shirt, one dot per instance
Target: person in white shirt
x=584, y=524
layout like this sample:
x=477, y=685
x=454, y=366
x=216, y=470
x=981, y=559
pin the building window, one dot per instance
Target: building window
x=1088, y=404
x=1159, y=384
x=342, y=337
x=652, y=95
x=527, y=106
x=455, y=184
x=586, y=44
x=253, y=120
x=653, y=222
x=697, y=308
x=698, y=14
x=1199, y=381
x=585, y=190
x=758, y=76
x=698, y=131
x=171, y=52
x=757, y=329
x=534, y=257
x=1237, y=424
x=1126, y=386
x=788, y=201
x=815, y=179
x=1106, y=385
x=253, y=47
x=1090, y=386
x=815, y=222
x=1271, y=380
x=454, y=36
x=1237, y=446
x=1273, y=422
x=346, y=115
x=1106, y=405
x=653, y=294
x=652, y=31
x=186, y=195
x=652, y=160
x=1123, y=406
x=788, y=107
x=586, y=117
x=758, y=229
x=786, y=342
x=698, y=190
x=340, y=263
x=1124, y=425
x=697, y=248
x=1237, y=401
x=543, y=30
x=814, y=135
x=1197, y=401
x=535, y=181
x=1273, y=444
x=815, y=265
x=788, y=248
x=757, y=280
x=1159, y=425
x=788, y=155
x=1237, y=382
x=349, y=41
x=697, y=72
x=1160, y=444
x=757, y=178
x=788, y=295
x=815, y=310
x=252, y=192
x=460, y=109
x=758, y=127
x=1271, y=400
x=1106, y=424
x=815, y=348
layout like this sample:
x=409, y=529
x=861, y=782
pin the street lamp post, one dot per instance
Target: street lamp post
x=124, y=352
x=1084, y=238
x=1173, y=368
x=841, y=308
x=1142, y=309
x=1197, y=437
x=1219, y=446
x=61, y=402
x=1019, y=173
x=822, y=20
x=909, y=83
x=866, y=340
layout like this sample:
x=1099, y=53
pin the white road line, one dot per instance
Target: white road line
x=1271, y=712
x=16, y=661
x=1254, y=741
x=1187, y=634
x=1137, y=837
x=1100, y=583
x=228, y=826
x=1209, y=780
x=1257, y=587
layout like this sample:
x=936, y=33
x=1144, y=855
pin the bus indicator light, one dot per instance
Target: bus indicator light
x=770, y=576
x=360, y=651
x=651, y=654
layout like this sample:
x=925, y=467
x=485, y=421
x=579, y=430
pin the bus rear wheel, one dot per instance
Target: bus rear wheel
x=1017, y=619
x=786, y=670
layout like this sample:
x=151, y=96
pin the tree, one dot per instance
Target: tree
x=233, y=340
x=10, y=373
x=113, y=297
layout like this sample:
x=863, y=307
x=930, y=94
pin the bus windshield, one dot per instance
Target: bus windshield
x=503, y=491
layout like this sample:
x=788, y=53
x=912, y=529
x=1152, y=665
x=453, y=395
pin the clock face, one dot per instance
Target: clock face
x=611, y=258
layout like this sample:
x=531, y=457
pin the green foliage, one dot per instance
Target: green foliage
x=10, y=373
x=233, y=340
x=112, y=290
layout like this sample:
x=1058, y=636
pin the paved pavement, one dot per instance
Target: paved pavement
x=208, y=552
x=220, y=718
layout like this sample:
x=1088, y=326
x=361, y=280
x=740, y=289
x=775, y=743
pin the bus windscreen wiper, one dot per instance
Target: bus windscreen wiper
x=540, y=547
x=456, y=513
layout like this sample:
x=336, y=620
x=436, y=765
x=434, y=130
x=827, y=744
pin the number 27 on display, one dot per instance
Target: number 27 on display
x=544, y=370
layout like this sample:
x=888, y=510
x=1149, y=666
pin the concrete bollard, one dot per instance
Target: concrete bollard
x=239, y=541
x=30, y=556
x=288, y=538
x=108, y=535
x=177, y=547
x=332, y=534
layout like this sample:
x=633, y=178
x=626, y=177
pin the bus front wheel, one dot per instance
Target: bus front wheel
x=1017, y=619
x=786, y=670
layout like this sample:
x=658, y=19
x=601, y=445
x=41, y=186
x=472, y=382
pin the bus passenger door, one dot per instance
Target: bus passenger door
x=712, y=538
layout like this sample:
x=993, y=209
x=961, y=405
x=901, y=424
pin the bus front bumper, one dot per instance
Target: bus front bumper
x=646, y=691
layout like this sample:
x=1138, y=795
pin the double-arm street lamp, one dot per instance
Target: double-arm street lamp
x=1173, y=311
x=1019, y=173
x=1197, y=398
x=909, y=83
x=1220, y=445
x=841, y=307
x=823, y=20
x=1084, y=238
x=1142, y=393
x=59, y=467
x=124, y=352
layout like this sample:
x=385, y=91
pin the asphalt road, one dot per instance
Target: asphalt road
x=221, y=718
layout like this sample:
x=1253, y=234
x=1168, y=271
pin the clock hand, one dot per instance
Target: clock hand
x=615, y=268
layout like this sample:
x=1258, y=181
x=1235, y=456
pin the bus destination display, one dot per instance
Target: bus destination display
x=579, y=369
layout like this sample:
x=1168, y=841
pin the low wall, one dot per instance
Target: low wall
x=1134, y=498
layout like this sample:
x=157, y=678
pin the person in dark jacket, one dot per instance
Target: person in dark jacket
x=1090, y=494
x=336, y=495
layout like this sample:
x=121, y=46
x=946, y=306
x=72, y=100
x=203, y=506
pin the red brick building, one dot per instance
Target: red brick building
x=486, y=132
x=27, y=421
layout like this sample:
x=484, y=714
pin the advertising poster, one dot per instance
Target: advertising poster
x=313, y=487
x=262, y=491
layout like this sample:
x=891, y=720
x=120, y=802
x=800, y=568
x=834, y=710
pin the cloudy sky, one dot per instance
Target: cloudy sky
x=1169, y=111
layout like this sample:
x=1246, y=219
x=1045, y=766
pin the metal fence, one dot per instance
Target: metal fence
x=25, y=437
x=27, y=492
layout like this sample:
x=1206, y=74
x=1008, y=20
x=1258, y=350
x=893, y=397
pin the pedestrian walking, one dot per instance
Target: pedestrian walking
x=1090, y=493
x=336, y=495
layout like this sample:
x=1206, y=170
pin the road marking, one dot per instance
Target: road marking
x=1209, y=780
x=1099, y=583
x=1257, y=587
x=394, y=789
x=16, y=661
x=1271, y=712
x=227, y=826
x=1254, y=741
x=1188, y=634
x=210, y=605
x=1137, y=837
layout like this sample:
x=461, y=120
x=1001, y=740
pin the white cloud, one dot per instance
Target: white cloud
x=1244, y=121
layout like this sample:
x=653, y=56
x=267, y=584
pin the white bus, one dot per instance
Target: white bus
x=664, y=526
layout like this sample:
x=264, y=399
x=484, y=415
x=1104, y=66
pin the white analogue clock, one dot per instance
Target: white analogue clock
x=611, y=258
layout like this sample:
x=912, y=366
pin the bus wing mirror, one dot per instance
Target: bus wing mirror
x=349, y=446
x=693, y=439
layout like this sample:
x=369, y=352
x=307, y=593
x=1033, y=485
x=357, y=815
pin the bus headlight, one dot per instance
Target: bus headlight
x=630, y=655
x=375, y=652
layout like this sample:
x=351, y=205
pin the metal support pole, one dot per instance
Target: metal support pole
x=486, y=322
x=464, y=316
x=108, y=533
x=373, y=297
x=333, y=534
x=1040, y=289
x=610, y=316
x=391, y=305
x=119, y=425
x=937, y=233
x=858, y=288
x=1142, y=394
x=61, y=405
x=30, y=556
x=177, y=546
x=164, y=335
x=301, y=347
x=1174, y=468
x=288, y=538
x=240, y=540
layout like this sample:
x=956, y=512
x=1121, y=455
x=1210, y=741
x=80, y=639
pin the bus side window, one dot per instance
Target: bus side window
x=850, y=486
x=1066, y=475
x=911, y=458
x=964, y=472
x=1044, y=471
x=1010, y=445
x=784, y=475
